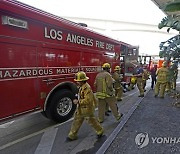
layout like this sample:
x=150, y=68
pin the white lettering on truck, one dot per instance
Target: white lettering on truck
x=79, y=39
x=100, y=44
x=23, y=73
x=53, y=34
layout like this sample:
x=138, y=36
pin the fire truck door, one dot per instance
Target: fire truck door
x=18, y=78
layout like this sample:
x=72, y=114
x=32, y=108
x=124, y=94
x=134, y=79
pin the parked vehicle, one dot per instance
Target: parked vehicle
x=39, y=55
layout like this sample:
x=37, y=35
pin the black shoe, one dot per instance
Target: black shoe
x=118, y=118
x=69, y=139
x=99, y=136
x=108, y=110
x=155, y=95
x=100, y=121
x=106, y=113
x=119, y=99
x=141, y=96
x=144, y=90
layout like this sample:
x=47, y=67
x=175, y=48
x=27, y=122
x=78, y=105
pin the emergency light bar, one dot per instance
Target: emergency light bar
x=14, y=22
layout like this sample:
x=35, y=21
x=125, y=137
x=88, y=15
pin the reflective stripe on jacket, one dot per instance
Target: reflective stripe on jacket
x=104, y=85
x=162, y=75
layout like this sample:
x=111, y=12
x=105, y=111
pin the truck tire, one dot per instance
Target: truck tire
x=61, y=107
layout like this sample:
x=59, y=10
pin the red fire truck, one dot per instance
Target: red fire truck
x=39, y=55
x=129, y=59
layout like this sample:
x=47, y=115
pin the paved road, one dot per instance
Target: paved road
x=152, y=128
x=35, y=134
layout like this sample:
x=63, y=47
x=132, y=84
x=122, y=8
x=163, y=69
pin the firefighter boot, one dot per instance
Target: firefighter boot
x=100, y=134
x=71, y=137
x=119, y=117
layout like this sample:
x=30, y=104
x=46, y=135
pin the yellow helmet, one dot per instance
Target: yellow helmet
x=164, y=64
x=106, y=65
x=81, y=76
x=117, y=68
x=133, y=80
x=172, y=64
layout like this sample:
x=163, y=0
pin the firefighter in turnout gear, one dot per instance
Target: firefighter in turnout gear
x=133, y=81
x=162, y=79
x=117, y=84
x=175, y=75
x=139, y=73
x=145, y=77
x=169, y=80
x=172, y=77
x=106, y=93
x=86, y=104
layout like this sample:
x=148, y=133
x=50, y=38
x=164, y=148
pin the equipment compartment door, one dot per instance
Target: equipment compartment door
x=91, y=64
x=18, y=78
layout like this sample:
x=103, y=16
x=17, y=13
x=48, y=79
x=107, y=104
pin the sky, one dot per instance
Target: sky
x=143, y=11
x=138, y=11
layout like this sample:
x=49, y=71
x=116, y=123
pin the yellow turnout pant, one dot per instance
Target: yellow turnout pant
x=111, y=101
x=160, y=89
x=78, y=120
x=140, y=85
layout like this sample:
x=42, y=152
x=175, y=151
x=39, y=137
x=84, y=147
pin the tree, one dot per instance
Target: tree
x=170, y=48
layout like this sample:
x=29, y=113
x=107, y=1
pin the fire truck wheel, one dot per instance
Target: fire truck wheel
x=61, y=106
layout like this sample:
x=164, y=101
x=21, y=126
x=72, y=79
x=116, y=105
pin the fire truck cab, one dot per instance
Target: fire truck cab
x=130, y=58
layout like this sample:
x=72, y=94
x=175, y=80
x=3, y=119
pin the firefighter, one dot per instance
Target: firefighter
x=162, y=78
x=106, y=93
x=133, y=82
x=172, y=77
x=86, y=104
x=175, y=75
x=169, y=80
x=145, y=77
x=117, y=84
x=139, y=72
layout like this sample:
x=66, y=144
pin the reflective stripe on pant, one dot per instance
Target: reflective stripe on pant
x=174, y=84
x=102, y=107
x=168, y=87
